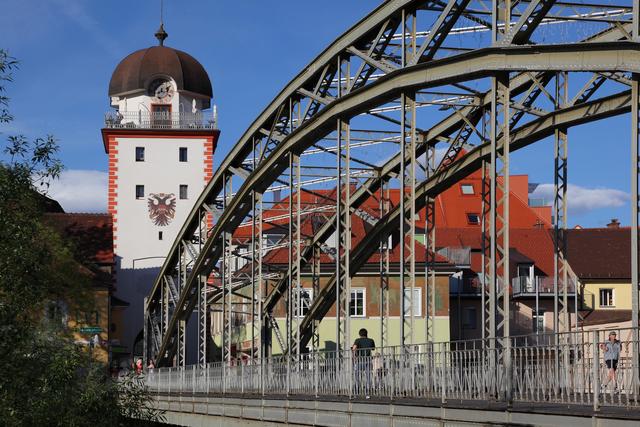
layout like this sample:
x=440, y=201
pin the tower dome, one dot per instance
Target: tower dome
x=135, y=73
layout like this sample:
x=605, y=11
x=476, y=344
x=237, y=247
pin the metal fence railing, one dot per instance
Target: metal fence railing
x=564, y=368
x=159, y=120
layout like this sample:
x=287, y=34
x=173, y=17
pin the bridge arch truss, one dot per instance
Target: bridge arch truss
x=472, y=80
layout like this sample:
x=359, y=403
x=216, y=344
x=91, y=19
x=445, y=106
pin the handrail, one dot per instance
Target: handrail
x=159, y=120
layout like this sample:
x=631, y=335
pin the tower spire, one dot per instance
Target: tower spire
x=161, y=34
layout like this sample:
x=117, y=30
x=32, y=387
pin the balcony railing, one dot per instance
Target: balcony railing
x=520, y=286
x=542, y=285
x=159, y=120
x=457, y=256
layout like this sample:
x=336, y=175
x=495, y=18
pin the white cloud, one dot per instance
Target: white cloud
x=80, y=190
x=582, y=199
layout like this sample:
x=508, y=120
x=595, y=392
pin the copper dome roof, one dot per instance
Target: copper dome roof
x=136, y=71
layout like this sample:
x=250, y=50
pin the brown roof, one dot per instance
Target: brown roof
x=600, y=253
x=600, y=317
x=91, y=235
x=136, y=71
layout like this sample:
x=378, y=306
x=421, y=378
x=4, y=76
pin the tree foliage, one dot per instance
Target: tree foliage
x=47, y=379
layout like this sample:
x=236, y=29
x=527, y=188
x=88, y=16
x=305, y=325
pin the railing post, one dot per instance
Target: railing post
x=241, y=376
x=596, y=371
x=444, y=373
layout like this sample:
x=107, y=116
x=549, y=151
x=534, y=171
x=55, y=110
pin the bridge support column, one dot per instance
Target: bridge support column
x=294, y=288
x=498, y=255
x=561, y=320
x=407, y=242
x=635, y=200
x=430, y=250
x=203, y=321
x=384, y=248
x=343, y=251
x=227, y=254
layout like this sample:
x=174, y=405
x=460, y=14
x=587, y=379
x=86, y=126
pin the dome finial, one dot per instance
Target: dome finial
x=161, y=34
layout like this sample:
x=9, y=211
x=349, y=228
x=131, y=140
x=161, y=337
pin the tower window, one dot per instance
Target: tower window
x=473, y=218
x=183, y=191
x=139, y=154
x=182, y=154
x=159, y=235
x=139, y=191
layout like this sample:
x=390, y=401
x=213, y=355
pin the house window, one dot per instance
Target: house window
x=139, y=191
x=182, y=154
x=606, y=298
x=159, y=235
x=469, y=318
x=417, y=301
x=183, y=191
x=538, y=321
x=139, y=154
x=467, y=189
x=357, y=303
x=473, y=218
x=306, y=297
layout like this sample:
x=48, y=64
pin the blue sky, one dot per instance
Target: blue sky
x=68, y=49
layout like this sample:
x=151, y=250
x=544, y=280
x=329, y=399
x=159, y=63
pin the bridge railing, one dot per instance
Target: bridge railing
x=563, y=368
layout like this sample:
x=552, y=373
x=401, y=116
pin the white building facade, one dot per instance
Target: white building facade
x=160, y=142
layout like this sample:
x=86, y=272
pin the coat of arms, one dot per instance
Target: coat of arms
x=162, y=208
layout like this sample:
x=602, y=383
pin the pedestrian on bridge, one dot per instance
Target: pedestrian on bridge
x=362, y=348
x=611, y=351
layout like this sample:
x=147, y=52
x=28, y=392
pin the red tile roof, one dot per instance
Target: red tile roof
x=91, y=235
x=534, y=244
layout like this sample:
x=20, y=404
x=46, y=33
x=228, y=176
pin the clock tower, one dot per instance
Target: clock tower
x=160, y=138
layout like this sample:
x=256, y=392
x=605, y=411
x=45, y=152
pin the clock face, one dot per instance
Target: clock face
x=161, y=89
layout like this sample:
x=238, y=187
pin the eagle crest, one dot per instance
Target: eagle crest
x=162, y=208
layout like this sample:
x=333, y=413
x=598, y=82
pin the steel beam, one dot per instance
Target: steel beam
x=430, y=251
x=227, y=281
x=295, y=285
x=384, y=247
x=560, y=276
x=499, y=296
x=635, y=200
x=343, y=233
x=407, y=226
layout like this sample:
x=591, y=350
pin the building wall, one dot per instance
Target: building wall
x=371, y=321
x=621, y=294
x=96, y=318
x=522, y=317
x=137, y=245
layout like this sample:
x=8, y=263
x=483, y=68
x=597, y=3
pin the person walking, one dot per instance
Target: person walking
x=362, y=347
x=611, y=353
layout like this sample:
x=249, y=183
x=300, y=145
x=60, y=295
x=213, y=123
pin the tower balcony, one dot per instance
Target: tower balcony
x=160, y=120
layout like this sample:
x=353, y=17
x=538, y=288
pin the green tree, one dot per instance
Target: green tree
x=46, y=379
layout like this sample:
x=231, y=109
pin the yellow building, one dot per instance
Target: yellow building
x=90, y=239
x=601, y=259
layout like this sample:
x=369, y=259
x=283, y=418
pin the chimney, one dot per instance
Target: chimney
x=614, y=223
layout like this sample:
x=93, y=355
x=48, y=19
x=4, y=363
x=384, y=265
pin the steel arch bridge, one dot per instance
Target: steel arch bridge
x=474, y=79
